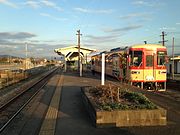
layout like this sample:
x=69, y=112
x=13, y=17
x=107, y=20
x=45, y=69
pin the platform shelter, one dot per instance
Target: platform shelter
x=71, y=54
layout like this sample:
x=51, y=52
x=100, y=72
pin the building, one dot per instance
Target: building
x=71, y=54
x=176, y=65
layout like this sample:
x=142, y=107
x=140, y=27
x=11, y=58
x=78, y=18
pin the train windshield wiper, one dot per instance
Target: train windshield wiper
x=140, y=64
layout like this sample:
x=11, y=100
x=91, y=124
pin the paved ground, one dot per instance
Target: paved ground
x=73, y=118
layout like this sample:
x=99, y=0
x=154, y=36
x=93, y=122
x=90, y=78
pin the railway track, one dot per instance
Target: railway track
x=172, y=92
x=175, y=85
x=10, y=109
x=170, y=99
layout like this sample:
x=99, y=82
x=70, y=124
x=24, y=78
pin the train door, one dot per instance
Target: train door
x=161, y=69
x=136, y=67
x=123, y=66
x=115, y=68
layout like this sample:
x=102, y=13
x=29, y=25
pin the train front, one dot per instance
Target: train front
x=147, y=66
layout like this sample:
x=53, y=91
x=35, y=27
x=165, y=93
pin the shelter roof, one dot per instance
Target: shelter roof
x=74, y=47
x=176, y=58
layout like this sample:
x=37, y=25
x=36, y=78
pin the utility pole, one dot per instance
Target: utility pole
x=173, y=58
x=163, y=38
x=79, y=42
x=25, y=68
x=26, y=55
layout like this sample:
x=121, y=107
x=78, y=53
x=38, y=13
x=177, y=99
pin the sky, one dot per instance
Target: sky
x=45, y=25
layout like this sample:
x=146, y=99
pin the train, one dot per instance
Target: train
x=141, y=65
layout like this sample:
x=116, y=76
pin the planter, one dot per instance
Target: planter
x=122, y=118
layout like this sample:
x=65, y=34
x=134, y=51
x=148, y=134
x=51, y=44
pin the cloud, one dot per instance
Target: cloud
x=18, y=35
x=101, y=39
x=112, y=35
x=178, y=23
x=33, y=4
x=51, y=4
x=53, y=17
x=168, y=28
x=154, y=3
x=83, y=10
x=123, y=29
x=41, y=3
x=173, y=32
x=39, y=49
x=44, y=49
x=48, y=3
x=8, y=3
x=4, y=46
x=140, y=2
x=10, y=42
x=14, y=43
x=134, y=15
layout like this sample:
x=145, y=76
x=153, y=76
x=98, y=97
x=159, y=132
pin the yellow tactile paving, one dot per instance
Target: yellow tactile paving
x=49, y=123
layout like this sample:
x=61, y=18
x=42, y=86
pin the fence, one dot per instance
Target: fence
x=8, y=77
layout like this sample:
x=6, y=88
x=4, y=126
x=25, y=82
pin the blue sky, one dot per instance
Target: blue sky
x=49, y=24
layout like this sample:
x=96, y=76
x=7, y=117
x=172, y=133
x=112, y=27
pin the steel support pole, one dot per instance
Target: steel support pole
x=103, y=69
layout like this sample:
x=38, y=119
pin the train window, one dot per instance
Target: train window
x=92, y=62
x=136, y=58
x=96, y=61
x=109, y=60
x=161, y=57
x=149, y=61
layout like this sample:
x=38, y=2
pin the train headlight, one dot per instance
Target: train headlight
x=135, y=72
x=162, y=72
x=149, y=78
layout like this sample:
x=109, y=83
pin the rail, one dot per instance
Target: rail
x=42, y=82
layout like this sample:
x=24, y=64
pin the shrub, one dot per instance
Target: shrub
x=118, y=98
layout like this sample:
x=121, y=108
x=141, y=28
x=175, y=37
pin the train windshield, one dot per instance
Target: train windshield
x=161, y=55
x=135, y=58
x=149, y=61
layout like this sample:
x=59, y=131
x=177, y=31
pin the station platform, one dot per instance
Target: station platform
x=72, y=118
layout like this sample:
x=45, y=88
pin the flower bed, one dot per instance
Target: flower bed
x=115, y=106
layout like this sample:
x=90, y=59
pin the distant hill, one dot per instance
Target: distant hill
x=7, y=56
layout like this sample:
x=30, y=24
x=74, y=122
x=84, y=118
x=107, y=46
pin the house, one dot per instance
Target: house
x=169, y=65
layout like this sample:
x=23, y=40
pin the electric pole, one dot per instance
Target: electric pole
x=79, y=42
x=163, y=38
x=26, y=49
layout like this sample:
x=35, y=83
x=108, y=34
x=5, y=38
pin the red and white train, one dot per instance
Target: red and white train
x=140, y=65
